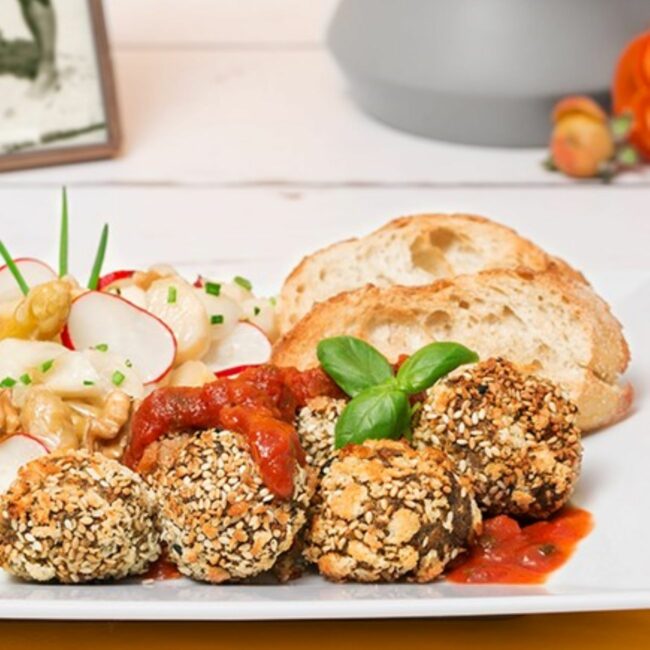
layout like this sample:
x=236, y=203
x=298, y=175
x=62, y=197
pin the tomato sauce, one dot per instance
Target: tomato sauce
x=508, y=553
x=259, y=403
x=162, y=569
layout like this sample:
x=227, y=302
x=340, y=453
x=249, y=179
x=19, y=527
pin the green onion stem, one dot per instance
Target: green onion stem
x=63, y=239
x=11, y=265
x=99, y=259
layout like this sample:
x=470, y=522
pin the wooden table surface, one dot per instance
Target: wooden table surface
x=234, y=110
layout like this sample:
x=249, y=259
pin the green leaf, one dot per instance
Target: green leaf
x=63, y=239
x=621, y=125
x=353, y=364
x=422, y=369
x=549, y=164
x=375, y=413
x=628, y=156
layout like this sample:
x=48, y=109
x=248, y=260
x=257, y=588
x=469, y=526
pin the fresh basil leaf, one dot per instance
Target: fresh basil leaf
x=430, y=363
x=376, y=413
x=353, y=364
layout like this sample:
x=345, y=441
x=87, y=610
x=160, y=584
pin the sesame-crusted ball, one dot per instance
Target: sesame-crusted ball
x=512, y=434
x=218, y=519
x=387, y=511
x=315, y=424
x=77, y=517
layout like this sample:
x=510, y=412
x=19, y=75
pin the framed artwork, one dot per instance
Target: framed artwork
x=57, y=93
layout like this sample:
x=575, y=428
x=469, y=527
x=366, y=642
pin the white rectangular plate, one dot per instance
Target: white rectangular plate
x=610, y=569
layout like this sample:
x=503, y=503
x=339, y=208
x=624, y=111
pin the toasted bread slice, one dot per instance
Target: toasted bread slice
x=546, y=320
x=410, y=251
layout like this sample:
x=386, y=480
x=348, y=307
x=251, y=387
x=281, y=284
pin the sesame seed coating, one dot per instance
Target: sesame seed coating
x=387, y=511
x=315, y=425
x=77, y=517
x=512, y=434
x=219, y=520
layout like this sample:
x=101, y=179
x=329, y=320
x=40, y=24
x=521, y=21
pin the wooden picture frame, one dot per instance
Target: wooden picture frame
x=32, y=156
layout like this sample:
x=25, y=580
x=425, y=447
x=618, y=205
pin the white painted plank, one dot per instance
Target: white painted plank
x=245, y=117
x=263, y=233
x=204, y=23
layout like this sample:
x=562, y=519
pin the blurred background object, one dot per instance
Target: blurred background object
x=57, y=100
x=482, y=72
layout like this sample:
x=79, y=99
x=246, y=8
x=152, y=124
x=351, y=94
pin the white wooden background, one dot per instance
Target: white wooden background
x=242, y=144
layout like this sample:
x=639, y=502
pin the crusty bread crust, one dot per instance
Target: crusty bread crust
x=410, y=251
x=548, y=320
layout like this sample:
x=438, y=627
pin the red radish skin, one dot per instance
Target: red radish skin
x=229, y=372
x=66, y=341
x=68, y=338
x=31, y=437
x=115, y=276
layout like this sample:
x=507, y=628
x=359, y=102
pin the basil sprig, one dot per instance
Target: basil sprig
x=423, y=369
x=380, y=406
x=353, y=364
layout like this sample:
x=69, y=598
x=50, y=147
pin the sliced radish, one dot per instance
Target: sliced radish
x=246, y=345
x=34, y=271
x=175, y=302
x=16, y=451
x=223, y=312
x=237, y=370
x=114, y=277
x=261, y=312
x=101, y=319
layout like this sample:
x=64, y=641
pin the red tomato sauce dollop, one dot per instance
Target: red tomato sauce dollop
x=508, y=553
x=260, y=403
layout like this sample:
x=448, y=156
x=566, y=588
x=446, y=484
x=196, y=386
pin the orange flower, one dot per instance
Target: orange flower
x=631, y=90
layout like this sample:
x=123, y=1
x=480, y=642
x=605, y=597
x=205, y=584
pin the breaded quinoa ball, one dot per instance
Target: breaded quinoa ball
x=315, y=424
x=77, y=517
x=218, y=519
x=386, y=511
x=512, y=434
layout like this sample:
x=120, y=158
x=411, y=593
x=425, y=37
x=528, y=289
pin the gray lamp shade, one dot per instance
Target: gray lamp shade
x=481, y=72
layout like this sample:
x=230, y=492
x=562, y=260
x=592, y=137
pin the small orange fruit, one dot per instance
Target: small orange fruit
x=581, y=142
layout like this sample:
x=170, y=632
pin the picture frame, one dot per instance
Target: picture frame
x=97, y=135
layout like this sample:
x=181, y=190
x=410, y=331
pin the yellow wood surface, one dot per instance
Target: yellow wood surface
x=624, y=630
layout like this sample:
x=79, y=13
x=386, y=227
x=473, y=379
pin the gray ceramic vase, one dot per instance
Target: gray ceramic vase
x=479, y=71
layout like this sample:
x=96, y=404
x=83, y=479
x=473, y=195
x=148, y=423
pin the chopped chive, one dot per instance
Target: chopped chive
x=102, y=347
x=7, y=382
x=118, y=378
x=88, y=382
x=99, y=259
x=171, y=295
x=273, y=300
x=128, y=363
x=63, y=239
x=25, y=379
x=256, y=311
x=243, y=282
x=216, y=319
x=213, y=288
x=11, y=265
x=46, y=365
